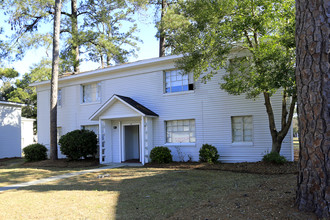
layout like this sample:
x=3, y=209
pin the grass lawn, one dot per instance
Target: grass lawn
x=13, y=172
x=156, y=193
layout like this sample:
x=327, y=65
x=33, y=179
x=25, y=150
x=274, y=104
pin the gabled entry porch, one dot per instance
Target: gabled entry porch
x=125, y=129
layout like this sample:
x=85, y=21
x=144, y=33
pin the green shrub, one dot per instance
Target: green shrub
x=35, y=152
x=161, y=155
x=78, y=143
x=208, y=153
x=274, y=157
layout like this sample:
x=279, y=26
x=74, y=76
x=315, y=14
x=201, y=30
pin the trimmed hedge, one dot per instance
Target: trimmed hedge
x=208, y=153
x=161, y=155
x=274, y=157
x=35, y=152
x=79, y=143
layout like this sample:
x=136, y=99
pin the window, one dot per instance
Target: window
x=94, y=128
x=175, y=81
x=241, y=128
x=59, y=98
x=180, y=131
x=91, y=93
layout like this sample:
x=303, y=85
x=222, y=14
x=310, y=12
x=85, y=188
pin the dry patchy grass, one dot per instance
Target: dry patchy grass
x=13, y=171
x=156, y=193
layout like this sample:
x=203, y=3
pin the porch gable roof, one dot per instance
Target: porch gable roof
x=129, y=102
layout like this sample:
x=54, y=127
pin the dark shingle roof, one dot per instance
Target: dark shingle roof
x=137, y=105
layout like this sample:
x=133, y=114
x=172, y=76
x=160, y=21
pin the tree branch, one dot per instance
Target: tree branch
x=65, y=13
x=284, y=111
x=31, y=26
x=248, y=38
x=285, y=129
x=269, y=109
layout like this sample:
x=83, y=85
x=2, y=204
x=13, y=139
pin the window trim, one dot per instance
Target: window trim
x=179, y=143
x=178, y=92
x=191, y=144
x=240, y=143
x=82, y=93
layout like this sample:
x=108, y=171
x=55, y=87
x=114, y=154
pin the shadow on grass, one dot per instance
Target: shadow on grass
x=13, y=171
x=156, y=193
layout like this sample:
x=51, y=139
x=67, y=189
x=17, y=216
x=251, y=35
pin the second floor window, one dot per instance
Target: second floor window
x=91, y=93
x=175, y=81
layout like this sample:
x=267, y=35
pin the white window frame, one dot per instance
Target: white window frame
x=180, y=125
x=243, y=142
x=182, y=80
x=96, y=99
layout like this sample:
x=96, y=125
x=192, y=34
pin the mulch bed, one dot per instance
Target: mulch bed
x=246, y=167
x=63, y=163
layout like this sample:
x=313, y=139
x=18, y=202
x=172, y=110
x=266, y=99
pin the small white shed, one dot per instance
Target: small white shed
x=10, y=129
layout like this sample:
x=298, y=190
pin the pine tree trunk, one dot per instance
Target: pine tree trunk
x=75, y=37
x=312, y=73
x=54, y=82
x=161, y=30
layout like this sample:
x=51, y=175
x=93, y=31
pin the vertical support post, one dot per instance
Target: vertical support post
x=142, y=140
x=120, y=142
x=100, y=141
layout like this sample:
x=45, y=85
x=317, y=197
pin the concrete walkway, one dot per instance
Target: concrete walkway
x=64, y=176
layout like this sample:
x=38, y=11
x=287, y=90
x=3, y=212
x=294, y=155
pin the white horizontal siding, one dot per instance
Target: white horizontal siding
x=43, y=120
x=118, y=110
x=10, y=131
x=211, y=107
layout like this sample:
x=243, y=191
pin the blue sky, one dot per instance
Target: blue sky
x=148, y=49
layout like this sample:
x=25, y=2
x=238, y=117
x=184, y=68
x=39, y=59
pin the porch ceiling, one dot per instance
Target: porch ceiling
x=121, y=106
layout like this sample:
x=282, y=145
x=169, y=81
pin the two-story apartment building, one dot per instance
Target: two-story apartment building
x=136, y=106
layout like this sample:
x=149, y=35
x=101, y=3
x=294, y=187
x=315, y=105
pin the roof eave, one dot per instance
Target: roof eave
x=113, y=68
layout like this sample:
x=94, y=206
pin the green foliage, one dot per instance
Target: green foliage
x=161, y=155
x=105, y=40
x=210, y=32
x=92, y=26
x=78, y=143
x=274, y=157
x=4, y=47
x=208, y=153
x=7, y=74
x=253, y=40
x=35, y=152
x=23, y=93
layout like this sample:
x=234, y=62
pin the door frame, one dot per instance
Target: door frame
x=123, y=140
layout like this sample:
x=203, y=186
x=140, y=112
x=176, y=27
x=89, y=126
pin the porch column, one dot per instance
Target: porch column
x=142, y=140
x=102, y=151
x=100, y=141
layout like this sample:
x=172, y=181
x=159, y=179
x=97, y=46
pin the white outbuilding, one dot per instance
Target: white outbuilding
x=10, y=129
